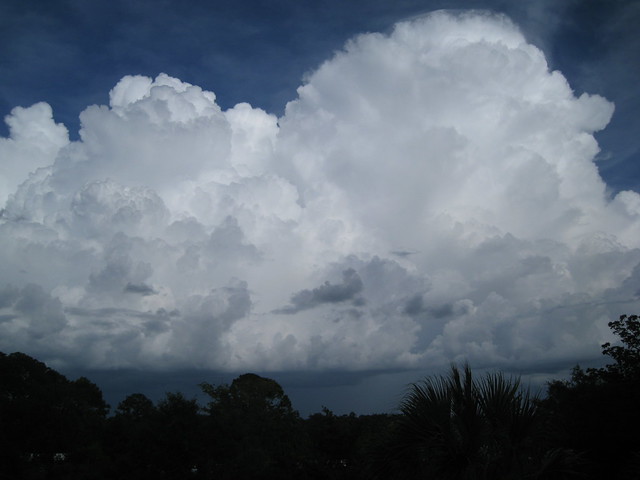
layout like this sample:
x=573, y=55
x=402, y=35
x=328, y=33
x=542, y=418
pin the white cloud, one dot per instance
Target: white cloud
x=430, y=195
x=34, y=141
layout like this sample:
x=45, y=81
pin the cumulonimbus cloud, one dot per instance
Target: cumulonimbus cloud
x=431, y=195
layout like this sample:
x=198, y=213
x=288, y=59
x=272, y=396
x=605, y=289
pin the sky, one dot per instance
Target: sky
x=342, y=196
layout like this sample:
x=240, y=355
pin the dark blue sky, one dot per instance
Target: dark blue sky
x=71, y=53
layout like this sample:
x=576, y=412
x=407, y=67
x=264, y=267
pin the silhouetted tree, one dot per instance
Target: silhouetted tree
x=458, y=427
x=179, y=437
x=253, y=430
x=627, y=355
x=342, y=446
x=132, y=439
x=136, y=406
x=48, y=424
x=596, y=411
x=156, y=442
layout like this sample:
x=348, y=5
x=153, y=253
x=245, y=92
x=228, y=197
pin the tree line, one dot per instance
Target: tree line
x=451, y=426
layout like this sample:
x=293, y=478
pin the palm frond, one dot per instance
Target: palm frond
x=457, y=426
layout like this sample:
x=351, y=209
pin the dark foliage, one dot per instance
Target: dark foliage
x=626, y=356
x=47, y=421
x=596, y=411
x=455, y=426
x=460, y=427
x=147, y=441
x=253, y=428
x=343, y=446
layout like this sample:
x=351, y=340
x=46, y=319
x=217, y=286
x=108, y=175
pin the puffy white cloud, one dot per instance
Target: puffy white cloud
x=430, y=195
x=34, y=141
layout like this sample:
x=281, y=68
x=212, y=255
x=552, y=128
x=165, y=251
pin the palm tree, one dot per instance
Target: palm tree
x=457, y=427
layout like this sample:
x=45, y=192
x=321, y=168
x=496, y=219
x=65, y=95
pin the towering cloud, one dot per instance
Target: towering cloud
x=430, y=195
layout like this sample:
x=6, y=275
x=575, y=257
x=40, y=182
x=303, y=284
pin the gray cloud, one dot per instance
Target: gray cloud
x=415, y=307
x=348, y=290
x=139, y=288
x=430, y=195
x=35, y=309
